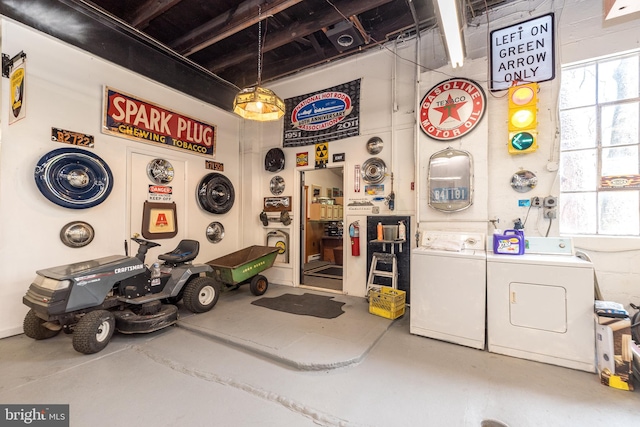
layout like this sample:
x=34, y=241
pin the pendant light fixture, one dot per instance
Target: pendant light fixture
x=256, y=102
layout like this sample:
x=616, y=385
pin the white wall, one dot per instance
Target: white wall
x=64, y=89
x=378, y=117
x=581, y=33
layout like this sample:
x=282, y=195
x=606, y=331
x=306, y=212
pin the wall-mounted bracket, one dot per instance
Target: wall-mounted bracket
x=7, y=63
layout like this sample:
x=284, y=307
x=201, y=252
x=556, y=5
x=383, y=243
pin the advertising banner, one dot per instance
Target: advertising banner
x=132, y=118
x=323, y=116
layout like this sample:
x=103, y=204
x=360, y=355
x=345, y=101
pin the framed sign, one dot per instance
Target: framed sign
x=159, y=220
x=129, y=117
x=277, y=204
x=524, y=52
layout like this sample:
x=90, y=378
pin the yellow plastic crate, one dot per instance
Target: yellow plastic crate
x=387, y=302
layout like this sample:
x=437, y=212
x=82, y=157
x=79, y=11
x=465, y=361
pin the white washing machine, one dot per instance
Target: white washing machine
x=448, y=288
x=540, y=307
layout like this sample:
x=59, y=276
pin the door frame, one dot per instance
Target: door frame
x=304, y=201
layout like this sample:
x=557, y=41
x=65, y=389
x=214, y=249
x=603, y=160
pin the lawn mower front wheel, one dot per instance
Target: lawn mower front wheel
x=93, y=331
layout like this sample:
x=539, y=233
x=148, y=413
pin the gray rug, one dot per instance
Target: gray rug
x=304, y=305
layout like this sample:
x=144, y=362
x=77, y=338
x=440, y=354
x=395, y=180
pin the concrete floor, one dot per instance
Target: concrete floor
x=243, y=365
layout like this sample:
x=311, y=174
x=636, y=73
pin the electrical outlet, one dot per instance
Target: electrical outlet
x=550, y=202
x=550, y=213
x=536, y=202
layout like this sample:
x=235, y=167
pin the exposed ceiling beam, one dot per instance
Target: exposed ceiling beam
x=301, y=62
x=148, y=10
x=227, y=24
x=93, y=30
x=316, y=45
x=297, y=30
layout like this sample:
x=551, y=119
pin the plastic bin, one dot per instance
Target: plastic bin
x=387, y=302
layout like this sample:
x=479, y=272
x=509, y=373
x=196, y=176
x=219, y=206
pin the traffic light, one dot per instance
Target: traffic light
x=523, y=118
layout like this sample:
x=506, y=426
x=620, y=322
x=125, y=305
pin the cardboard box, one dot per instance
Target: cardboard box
x=613, y=349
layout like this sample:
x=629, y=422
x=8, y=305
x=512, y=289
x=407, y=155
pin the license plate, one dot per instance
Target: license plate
x=449, y=194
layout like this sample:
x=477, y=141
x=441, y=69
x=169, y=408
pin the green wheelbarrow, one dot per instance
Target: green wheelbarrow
x=244, y=266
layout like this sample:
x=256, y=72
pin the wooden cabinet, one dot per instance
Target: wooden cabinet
x=325, y=212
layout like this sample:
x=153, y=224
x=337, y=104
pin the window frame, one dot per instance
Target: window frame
x=597, y=187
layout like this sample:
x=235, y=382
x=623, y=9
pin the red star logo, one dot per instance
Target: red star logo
x=450, y=109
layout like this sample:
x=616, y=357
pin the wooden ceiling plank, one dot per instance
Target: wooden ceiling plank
x=322, y=19
x=316, y=46
x=227, y=24
x=149, y=10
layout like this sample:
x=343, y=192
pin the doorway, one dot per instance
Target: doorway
x=321, y=233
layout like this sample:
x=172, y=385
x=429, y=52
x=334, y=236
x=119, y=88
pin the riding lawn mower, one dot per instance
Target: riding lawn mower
x=94, y=298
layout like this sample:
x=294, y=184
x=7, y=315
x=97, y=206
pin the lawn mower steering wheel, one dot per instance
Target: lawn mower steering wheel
x=149, y=244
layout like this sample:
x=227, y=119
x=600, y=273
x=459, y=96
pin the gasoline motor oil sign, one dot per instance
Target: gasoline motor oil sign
x=452, y=108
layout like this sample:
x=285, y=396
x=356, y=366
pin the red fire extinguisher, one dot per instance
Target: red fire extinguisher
x=354, y=233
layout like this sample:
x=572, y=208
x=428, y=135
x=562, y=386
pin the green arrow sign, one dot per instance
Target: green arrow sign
x=522, y=140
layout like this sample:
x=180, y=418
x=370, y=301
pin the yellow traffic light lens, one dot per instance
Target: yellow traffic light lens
x=522, y=119
x=522, y=95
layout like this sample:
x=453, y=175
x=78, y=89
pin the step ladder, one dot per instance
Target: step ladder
x=382, y=258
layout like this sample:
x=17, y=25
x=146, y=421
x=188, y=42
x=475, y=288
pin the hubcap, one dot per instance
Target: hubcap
x=78, y=178
x=206, y=295
x=103, y=331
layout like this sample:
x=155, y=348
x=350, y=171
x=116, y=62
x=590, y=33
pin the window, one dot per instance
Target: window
x=599, y=140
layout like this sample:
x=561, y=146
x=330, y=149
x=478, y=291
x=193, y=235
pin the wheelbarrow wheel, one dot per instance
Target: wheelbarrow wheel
x=201, y=294
x=259, y=285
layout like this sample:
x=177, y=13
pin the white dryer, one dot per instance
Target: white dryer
x=448, y=288
x=540, y=307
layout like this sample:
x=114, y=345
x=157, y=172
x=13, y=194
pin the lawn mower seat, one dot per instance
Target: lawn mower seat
x=187, y=250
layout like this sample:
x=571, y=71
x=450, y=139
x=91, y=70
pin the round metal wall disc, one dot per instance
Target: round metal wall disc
x=274, y=160
x=523, y=181
x=160, y=171
x=73, y=178
x=215, y=232
x=276, y=185
x=215, y=193
x=77, y=234
x=374, y=145
x=374, y=170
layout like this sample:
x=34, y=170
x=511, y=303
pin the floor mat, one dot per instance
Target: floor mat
x=305, y=305
x=330, y=272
